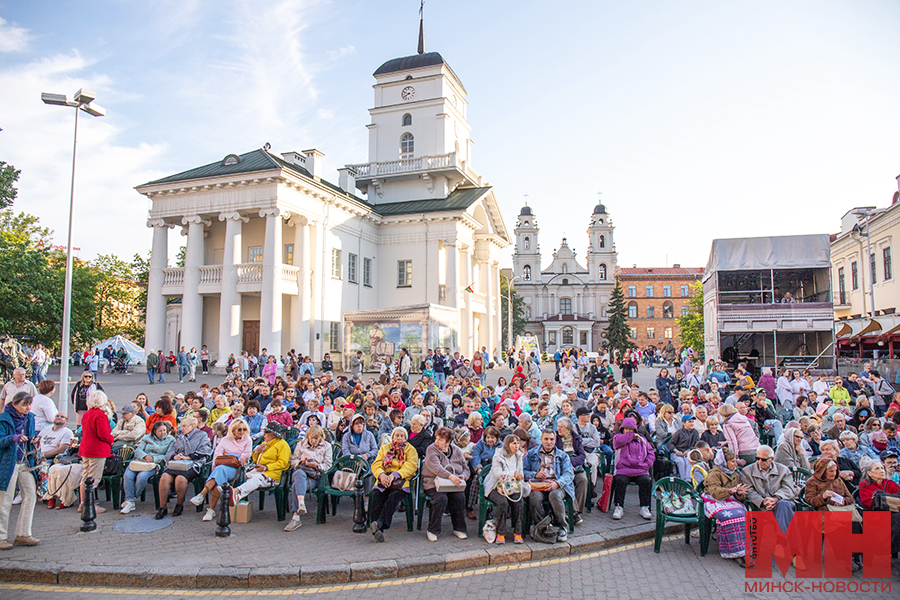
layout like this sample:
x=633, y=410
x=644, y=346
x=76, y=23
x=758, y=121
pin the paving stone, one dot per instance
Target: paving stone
x=101, y=576
x=275, y=576
x=172, y=577
x=542, y=551
x=376, y=569
x=223, y=577
x=420, y=565
x=586, y=543
x=29, y=573
x=324, y=574
x=509, y=553
x=470, y=559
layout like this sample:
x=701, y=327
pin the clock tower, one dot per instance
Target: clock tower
x=419, y=145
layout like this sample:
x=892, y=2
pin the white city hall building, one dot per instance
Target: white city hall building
x=279, y=258
x=566, y=303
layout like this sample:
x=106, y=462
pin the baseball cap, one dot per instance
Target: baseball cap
x=571, y=391
x=179, y=396
x=687, y=418
x=128, y=408
x=582, y=411
x=888, y=454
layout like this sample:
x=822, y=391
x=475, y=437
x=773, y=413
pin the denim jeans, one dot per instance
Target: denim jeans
x=222, y=473
x=136, y=483
x=302, y=482
x=151, y=372
x=182, y=371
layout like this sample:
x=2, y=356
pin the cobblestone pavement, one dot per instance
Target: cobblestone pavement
x=627, y=572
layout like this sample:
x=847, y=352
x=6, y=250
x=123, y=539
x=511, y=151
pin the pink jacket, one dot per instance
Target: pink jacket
x=739, y=434
x=270, y=371
x=284, y=417
x=240, y=447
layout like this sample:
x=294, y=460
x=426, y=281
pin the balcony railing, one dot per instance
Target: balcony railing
x=172, y=277
x=407, y=165
x=211, y=275
x=249, y=278
x=249, y=273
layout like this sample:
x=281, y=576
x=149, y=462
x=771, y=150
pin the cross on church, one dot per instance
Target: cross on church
x=599, y=196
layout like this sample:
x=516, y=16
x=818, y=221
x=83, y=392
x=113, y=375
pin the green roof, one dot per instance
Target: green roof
x=261, y=160
x=460, y=199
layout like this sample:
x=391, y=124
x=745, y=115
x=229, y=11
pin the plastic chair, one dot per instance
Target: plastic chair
x=280, y=491
x=698, y=517
x=570, y=513
x=800, y=477
x=358, y=465
x=407, y=503
x=484, y=504
x=113, y=483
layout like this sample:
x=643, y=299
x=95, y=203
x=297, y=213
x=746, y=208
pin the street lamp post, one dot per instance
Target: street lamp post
x=509, y=315
x=81, y=101
x=867, y=260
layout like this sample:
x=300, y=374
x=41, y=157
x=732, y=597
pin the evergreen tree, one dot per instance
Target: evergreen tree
x=690, y=326
x=617, y=331
x=518, y=320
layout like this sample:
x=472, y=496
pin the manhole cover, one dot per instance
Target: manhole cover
x=142, y=524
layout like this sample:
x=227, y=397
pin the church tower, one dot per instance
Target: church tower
x=527, y=257
x=602, y=249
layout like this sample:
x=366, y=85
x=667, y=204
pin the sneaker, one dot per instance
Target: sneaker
x=5, y=545
x=209, y=516
x=517, y=539
x=579, y=519
x=197, y=500
x=127, y=507
x=618, y=513
x=695, y=533
x=294, y=523
x=26, y=540
x=460, y=534
x=431, y=536
x=301, y=506
x=179, y=508
x=500, y=540
x=645, y=512
x=563, y=535
x=99, y=509
x=17, y=499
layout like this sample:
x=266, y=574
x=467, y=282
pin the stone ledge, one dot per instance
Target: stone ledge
x=101, y=576
x=502, y=555
x=24, y=572
x=470, y=559
x=420, y=565
x=373, y=570
x=223, y=577
x=271, y=577
x=324, y=574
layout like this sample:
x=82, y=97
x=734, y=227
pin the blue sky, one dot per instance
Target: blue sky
x=696, y=119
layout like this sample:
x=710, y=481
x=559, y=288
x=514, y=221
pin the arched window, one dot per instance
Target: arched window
x=407, y=145
x=568, y=336
x=668, y=310
x=526, y=273
x=565, y=306
x=602, y=272
x=632, y=310
x=527, y=243
x=407, y=120
x=603, y=241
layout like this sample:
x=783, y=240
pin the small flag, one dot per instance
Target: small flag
x=470, y=289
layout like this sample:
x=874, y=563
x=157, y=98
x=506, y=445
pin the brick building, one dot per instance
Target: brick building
x=655, y=297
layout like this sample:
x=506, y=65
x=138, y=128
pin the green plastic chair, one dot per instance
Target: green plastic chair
x=570, y=513
x=800, y=477
x=484, y=504
x=113, y=483
x=324, y=490
x=407, y=503
x=682, y=488
x=280, y=491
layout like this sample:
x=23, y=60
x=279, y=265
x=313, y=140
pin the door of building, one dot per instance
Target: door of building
x=251, y=337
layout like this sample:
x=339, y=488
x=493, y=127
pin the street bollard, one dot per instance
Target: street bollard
x=224, y=519
x=88, y=511
x=359, y=509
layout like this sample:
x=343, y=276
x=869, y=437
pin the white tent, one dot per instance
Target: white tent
x=135, y=352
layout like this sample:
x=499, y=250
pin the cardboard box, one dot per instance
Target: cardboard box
x=241, y=512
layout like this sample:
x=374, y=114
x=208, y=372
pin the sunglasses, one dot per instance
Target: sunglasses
x=771, y=458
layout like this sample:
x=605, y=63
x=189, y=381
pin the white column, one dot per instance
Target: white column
x=452, y=275
x=498, y=313
x=230, y=323
x=155, y=332
x=270, y=300
x=470, y=325
x=191, y=300
x=299, y=328
x=488, y=279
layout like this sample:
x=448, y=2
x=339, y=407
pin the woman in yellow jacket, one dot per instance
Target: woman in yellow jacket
x=394, y=466
x=272, y=458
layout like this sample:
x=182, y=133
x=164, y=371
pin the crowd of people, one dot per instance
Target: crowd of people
x=532, y=449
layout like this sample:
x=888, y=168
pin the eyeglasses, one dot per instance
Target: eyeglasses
x=769, y=459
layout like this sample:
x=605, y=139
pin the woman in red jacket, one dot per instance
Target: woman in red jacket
x=876, y=480
x=96, y=443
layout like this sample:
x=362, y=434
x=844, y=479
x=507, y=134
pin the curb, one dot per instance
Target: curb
x=307, y=575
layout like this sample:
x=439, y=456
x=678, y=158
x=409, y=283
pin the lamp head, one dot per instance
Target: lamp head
x=58, y=99
x=84, y=96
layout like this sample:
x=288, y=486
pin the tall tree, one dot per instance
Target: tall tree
x=518, y=304
x=618, y=335
x=690, y=326
x=117, y=299
x=8, y=177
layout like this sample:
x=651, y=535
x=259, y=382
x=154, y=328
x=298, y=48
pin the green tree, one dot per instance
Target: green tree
x=518, y=322
x=690, y=326
x=618, y=335
x=118, y=299
x=9, y=175
x=179, y=258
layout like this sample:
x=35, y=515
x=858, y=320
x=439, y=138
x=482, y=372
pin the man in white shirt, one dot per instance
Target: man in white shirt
x=556, y=399
x=567, y=374
x=55, y=439
x=42, y=407
x=584, y=364
x=16, y=385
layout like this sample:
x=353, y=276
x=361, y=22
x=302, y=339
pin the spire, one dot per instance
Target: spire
x=422, y=27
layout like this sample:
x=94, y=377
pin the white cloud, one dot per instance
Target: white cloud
x=345, y=51
x=13, y=38
x=326, y=114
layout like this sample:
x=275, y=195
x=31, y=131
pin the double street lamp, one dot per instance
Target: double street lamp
x=509, y=314
x=80, y=102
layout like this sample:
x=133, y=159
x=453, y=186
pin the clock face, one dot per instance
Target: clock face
x=408, y=93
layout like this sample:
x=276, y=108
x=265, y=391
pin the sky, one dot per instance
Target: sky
x=696, y=120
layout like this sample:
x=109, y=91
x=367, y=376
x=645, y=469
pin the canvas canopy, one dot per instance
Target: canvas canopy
x=782, y=252
x=135, y=352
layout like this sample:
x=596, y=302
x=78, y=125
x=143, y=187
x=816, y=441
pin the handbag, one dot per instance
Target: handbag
x=489, y=531
x=539, y=485
x=140, y=466
x=227, y=460
x=603, y=502
x=857, y=518
x=677, y=505
x=881, y=500
x=180, y=465
x=344, y=480
x=510, y=488
x=111, y=466
x=444, y=485
x=68, y=459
